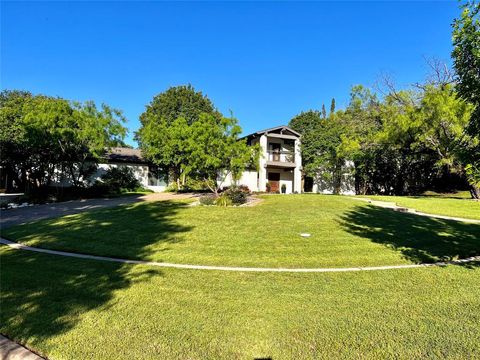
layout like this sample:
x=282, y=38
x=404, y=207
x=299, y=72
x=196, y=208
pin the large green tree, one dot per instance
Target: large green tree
x=55, y=139
x=322, y=155
x=178, y=102
x=183, y=133
x=164, y=127
x=466, y=58
x=305, y=121
x=217, y=152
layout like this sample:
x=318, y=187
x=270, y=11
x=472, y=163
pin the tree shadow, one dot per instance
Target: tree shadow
x=43, y=295
x=125, y=231
x=420, y=239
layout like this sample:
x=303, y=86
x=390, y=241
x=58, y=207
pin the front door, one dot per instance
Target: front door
x=274, y=181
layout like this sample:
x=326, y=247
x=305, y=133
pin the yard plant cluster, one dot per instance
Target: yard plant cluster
x=233, y=195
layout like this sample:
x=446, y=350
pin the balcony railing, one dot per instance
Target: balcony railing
x=281, y=156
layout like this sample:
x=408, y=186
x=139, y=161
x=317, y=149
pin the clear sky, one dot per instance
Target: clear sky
x=264, y=61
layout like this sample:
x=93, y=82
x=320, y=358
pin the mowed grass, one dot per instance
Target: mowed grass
x=344, y=232
x=68, y=308
x=456, y=207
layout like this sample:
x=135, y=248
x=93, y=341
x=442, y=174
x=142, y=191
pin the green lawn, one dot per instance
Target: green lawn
x=457, y=207
x=345, y=232
x=67, y=308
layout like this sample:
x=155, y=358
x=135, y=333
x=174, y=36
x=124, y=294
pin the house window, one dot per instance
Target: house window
x=156, y=176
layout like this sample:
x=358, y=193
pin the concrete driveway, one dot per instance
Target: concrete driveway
x=27, y=214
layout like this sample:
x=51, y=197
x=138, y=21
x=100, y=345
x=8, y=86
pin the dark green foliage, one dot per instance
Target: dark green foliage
x=466, y=58
x=46, y=140
x=232, y=195
x=305, y=121
x=207, y=199
x=237, y=195
x=200, y=144
x=178, y=102
x=332, y=107
x=120, y=178
x=411, y=141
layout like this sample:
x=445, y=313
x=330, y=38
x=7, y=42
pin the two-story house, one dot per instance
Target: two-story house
x=280, y=164
x=280, y=161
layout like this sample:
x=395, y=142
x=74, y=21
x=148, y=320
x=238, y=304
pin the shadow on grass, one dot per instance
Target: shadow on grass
x=420, y=239
x=45, y=295
x=124, y=231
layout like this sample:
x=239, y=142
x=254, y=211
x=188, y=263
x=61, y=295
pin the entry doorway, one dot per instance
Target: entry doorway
x=274, y=181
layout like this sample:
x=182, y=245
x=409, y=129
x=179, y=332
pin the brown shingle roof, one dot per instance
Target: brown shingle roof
x=124, y=154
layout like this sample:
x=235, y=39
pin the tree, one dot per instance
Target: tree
x=305, y=121
x=55, y=137
x=332, y=107
x=207, y=149
x=178, y=102
x=321, y=139
x=13, y=145
x=466, y=59
x=442, y=118
x=324, y=112
x=216, y=152
x=164, y=127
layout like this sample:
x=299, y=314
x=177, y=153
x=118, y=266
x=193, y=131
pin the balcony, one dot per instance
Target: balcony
x=281, y=159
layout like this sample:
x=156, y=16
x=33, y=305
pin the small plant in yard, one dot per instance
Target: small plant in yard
x=284, y=189
x=223, y=200
x=237, y=195
x=120, y=178
x=268, y=186
x=207, y=200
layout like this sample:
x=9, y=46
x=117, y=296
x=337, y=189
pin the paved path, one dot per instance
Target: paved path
x=10, y=350
x=27, y=214
x=19, y=246
x=394, y=206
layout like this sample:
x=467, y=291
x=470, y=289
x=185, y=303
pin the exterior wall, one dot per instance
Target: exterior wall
x=141, y=172
x=297, y=172
x=262, y=173
x=292, y=178
x=249, y=178
x=286, y=178
x=347, y=186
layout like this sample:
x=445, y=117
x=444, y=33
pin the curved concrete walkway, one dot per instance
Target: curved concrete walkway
x=395, y=207
x=10, y=350
x=19, y=246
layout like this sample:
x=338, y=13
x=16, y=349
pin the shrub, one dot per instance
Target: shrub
x=284, y=188
x=120, y=178
x=207, y=200
x=243, y=188
x=237, y=195
x=268, y=186
x=223, y=200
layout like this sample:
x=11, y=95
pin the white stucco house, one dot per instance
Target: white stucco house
x=280, y=162
x=149, y=175
x=280, y=166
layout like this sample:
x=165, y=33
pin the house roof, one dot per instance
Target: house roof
x=124, y=154
x=277, y=129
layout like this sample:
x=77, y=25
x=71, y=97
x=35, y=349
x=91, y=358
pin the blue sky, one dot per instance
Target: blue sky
x=264, y=61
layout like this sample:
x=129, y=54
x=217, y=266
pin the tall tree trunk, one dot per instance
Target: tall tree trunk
x=475, y=192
